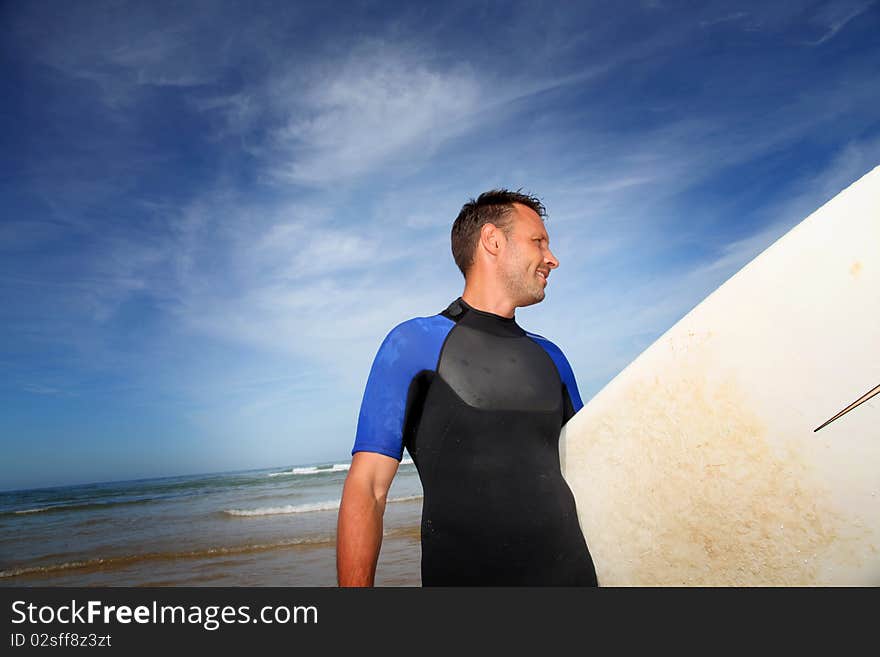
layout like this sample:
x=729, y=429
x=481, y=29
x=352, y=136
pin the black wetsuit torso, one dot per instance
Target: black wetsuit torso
x=482, y=424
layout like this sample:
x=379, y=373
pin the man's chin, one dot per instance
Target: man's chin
x=537, y=297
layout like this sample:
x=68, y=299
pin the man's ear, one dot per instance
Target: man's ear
x=489, y=235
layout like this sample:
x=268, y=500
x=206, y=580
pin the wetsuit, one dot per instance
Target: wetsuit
x=478, y=402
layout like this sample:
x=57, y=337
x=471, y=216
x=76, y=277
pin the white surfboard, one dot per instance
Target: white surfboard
x=700, y=463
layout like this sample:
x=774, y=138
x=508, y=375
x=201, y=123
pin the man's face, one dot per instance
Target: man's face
x=526, y=260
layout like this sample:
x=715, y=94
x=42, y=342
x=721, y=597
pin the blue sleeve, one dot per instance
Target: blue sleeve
x=408, y=349
x=564, y=369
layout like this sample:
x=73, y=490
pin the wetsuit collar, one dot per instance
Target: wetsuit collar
x=487, y=314
x=463, y=313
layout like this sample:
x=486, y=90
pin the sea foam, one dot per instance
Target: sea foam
x=320, y=469
x=329, y=505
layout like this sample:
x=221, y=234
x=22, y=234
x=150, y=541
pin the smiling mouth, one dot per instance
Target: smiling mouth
x=543, y=274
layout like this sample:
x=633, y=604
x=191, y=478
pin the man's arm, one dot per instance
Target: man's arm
x=359, y=528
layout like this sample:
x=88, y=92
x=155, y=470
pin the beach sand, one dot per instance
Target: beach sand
x=314, y=565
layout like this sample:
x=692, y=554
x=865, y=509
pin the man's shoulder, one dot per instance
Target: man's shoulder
x=420, y=327
x=562, y=366
x=548, y=344
x=416, y=341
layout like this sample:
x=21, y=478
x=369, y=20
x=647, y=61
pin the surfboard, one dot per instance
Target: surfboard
x=703, y=462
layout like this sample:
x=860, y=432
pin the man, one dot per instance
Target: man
x=478, y=402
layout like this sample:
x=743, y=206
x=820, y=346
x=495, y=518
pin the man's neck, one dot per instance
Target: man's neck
x=487, y=302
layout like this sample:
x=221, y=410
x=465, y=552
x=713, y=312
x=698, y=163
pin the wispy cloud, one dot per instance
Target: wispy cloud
x=121, y=47
x=835, y=16
x=39, y=389
x=377, y=105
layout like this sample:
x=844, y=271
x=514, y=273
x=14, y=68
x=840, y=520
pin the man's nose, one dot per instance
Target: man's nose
x=551, y=260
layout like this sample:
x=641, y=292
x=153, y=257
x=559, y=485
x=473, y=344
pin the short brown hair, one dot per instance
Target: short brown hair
x=492, y=207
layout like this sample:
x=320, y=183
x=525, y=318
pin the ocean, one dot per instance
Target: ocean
x=269, y=527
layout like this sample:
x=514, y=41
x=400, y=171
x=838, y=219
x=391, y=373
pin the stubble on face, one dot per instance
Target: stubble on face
x=518, y=272
x=519, y=279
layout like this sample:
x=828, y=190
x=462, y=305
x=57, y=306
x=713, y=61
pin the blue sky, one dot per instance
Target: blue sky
x=213, y=212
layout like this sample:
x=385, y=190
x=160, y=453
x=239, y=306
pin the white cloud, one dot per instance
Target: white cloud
x=306, y=251
x=121, y=47
x=727, y=18
x=40, y=389
x=239, y=111
x=377, y=105
x=835, y=16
